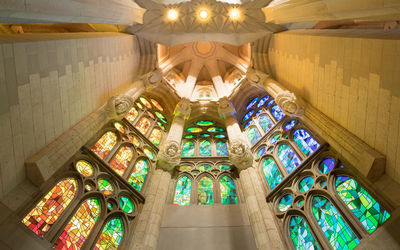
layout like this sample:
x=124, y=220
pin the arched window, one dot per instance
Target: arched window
x=49, y=209
x=188, y=149
x=132, y=115
x=205, y=191
x=265, y=123
x=111, y=235
x=336, y=230
x=277, y=113
x=79, y=227
x=271, y=172
x=370, y=213
x=253, y=135
x=228, y=191
x=222, y=148
x=121, y=160
x=104, y=145
x=205, y=148
x=182, y=191
x=139, y=174
x=306, y=143
x=288, y=158
x=143, y=125
x=155, y=136
x=301, y=235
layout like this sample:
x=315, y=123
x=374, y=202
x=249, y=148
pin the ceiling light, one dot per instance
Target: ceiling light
x=234, y=14
x=203, y=14
x=173, y=14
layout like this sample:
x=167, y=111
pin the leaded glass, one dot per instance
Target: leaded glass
x=149, y=153
x=205, y=191
x=258, y=112
x=155, y=136
x=189, y=136
x=251, y=103
x=262, y=101
x=205, y=148
x=185, y=168
x=300, y=203
x=248, y=124
x=119, y=127
x=271, y=172
x=222, y=148
x=205, y=167
x=253, y=135
x=322, y=184
x=182, y=191
x=139, y=174
x=121, y=160
x=301, y=235
x=270, y=103
x=248, y=115
x=126, y=204
x=161, y=125
x=228, y=191
x=265, y=123
x=79, y=227
x=161, y=117
x=105, y=186
x=326, y=165
x=188, y=149
x=84, y=168
x=139, y=105
x=151, y=115
x=104, y=145
x=145, y=102
x=261, y=152
x=220, y=136
x=277, y=112
x=336, y=230
x=370, y=213
x=306, y=143
x=224, y=167
x=194, y=130
x=306, y=184
x=135, y=141
x=290, y=125
x=132, y=115
x=288, y=158
x=111, y=235
x=285, y=202
x=49, y=209
x=215, y=129
x=110, y=205
x=275, y=139
x=205, y=135
x=204, y=123
x=157, y=105
x=143, y=125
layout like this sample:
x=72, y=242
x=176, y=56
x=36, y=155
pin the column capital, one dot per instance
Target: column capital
x=183, y=108
x=151, y=79
x=225, y=108
x=256, y=77
x=240, y=154
x=118, y=106
x=169, y=156
x=289, y=103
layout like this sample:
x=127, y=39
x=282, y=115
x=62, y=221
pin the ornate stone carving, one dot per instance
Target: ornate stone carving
x=169, y=156
x=240, y=154
x=289, y=103
x=225, y=108
x=183, y=108
x=151, y=79
x=256, y=77
x=118, y=106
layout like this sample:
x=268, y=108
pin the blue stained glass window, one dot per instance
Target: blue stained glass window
x=265, y=123
x=222, y=148
x=277, y=112
x=271, y=172
x=261, y=152
x=258, y=112
x=326, y=165
x=270, y=103
x=251, y=103
x=262, y=101
x=253, y=135
x=290, y=125
x=306, y=143
x=248, y=124
x=301, y=235
x=288, y=158
x=248, y=115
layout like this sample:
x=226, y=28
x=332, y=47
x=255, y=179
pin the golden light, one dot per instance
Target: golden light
x=234, y=14
x=203, y=14
x=173, y=14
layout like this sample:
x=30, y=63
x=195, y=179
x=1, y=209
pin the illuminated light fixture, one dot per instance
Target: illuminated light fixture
x=173, y=14
x=203, y=14
x=234, y=14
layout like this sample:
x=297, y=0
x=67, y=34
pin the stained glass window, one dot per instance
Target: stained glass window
x=155, y=136
x=204, y=123
x=275, y=139
x=132, y=115
x=121, y=160
x=80, y=225
x=370, y=213
x=248, y=115
x=143, y=125
x=306, y=184
x=205, y=191
x=261, y=152
x=271, y=172
x=270, y=103
x=139, y=105
x=105, y=186
x=290, y=125
x=228, y=191
x=277, y=112
x=262, y=101
x=258, y=112
x=265, y=123
x=215, y=129
x=224, y=167
x=205, y=148
x=104, y=145
x=285, y=202
x=253, y=135
x=288, y=158
x=161, y=117
x=336, y=230
x=248, y=124
x=301, y=235
x=326, y=165
x=251, y=103
x=194, y=130
x=145, y=102
x=222, y=148
x=151, y=115
x=111, y=235
x=205, y=135
x=157, y=105
x=48, y=210
x=126, y=204
x=185, y=168
x=84, y=168
x=135, y=141
x=205, y=167
x=149, y=153
x=189, y=136
x=161, y=125
x=139, y=174
x=220, y=136
x=306, y=143
x=188, y=149
x=182, y=191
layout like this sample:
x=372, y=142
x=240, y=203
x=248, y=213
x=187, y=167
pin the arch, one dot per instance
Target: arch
x=253, y=135
x=367, y=210
x=121, y=160
x=188, y=149
x=143, y=125
x=155, y=136
x=271, y=172
x=228, y=191
x=205, y=148
x=288, y=157
x=265, y=123
x=300, y=234
x=132, y=115
x=139, y=174
x=305, y=142
x=277, y=112
x=205, y=191
x=105, y=144
x=42, y=217
x=183, y=191
x=111, y=235
x=222, y=148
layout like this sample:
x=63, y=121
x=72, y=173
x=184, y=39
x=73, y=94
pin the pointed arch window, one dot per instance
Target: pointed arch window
x=222, y=148
x=143, y=125
x=300, y=234
x=205, y=191
x=183, y=191
x=265, y=123
x=253, y=135
x=104, y=145
x=155, y=136
x=228, y=191
x=288, y=157
x=271, y=172
x=111, y=235
x=188, y=149
x=205, y=148
x=121, y=160
x=306, y=143
x=139, y=174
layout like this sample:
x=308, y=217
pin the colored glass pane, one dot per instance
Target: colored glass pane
x=48, y=210
x=105, y=186
x=265, y=123
x=104, y=145
x=301, y=235
x=220, y=136
x=161, y=117
x=110, y=205
x=143, y=125
x=205, y=135
x=228, y=191
x=126, y=204
x=262, y=101
x=185, y=168
x=271, y=172
x=161, y=125
x=111, y=235
x=205, y=191
x=121, y=160
x=248, y=115
x=119, y=127
x=326, y=165
x=189, y=136
x=89, y=187
x=139, y=174
x=300, y=203
x=248, y=124
x=336, y=230
x=222, y=148
x=204, y=167
x=275, y=138
x=251, y=103
x=258, y=112
x=188, y=149
x=84, y=168
x=145, y=102
x=135, y=141
x=290, y=125
x=261, y=152
x=132, y=115
x=194, y=130
x=215, y=129
x=253, y=135
x=224, y=167
x=277, y=112
x=79, y=227
x=288, y=158
x=305, y=184
x=139, y=105
x=306, y=143
x=155, y=136
x=182, y=191
x=205, y=148
x=204, y=123
x=270, y=103
x=322, y=184
x=285, y=202
x=151, y=115
x=370, y=213
x=157, y=105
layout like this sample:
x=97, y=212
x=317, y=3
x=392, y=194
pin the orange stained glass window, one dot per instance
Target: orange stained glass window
x=155, y=136
x=132, y=115
x=121, y=160
x=143, y=125
x=104, y=145
x=157, y=105
x=145, y=102
x=151, y=115
x=49, y=209
x=80, y=225
x=119, y=127
x=135, y=141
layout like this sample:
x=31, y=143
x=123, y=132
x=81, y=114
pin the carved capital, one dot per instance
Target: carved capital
x=151, y=79
x=118, y=106
x=183, y=108
x=256, y=77
x=169, y=156
x=289, y=103
x=225, y=108
x=240, y=154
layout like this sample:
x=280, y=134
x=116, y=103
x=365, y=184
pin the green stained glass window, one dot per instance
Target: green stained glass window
x=224, y=167
x=265, y=123
x=253, y=135
x=332, y=224
x=228, y=191
x=215, y=129
x=204, y=123
x=205, y=191
x=205, y=167
x=288, y=158
x=205, y=135
x=189, y=136
x=271, y=173
x=300, y=203
x=220, y=136
x=306, y=143
x=305, y=184
x=182, y=191
x=149, y=153
x=161, y=117
x=285, y=202
x=139, y=174
x=275, y=138
x=188, y=149
x=185, y=168
x=194, y=130
x=370, y=213
x=111, y=236
x=126, y=204
x=222, y=148
x=205, y=148
x=301, y=235
x=161, y=125
x=105, y=186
